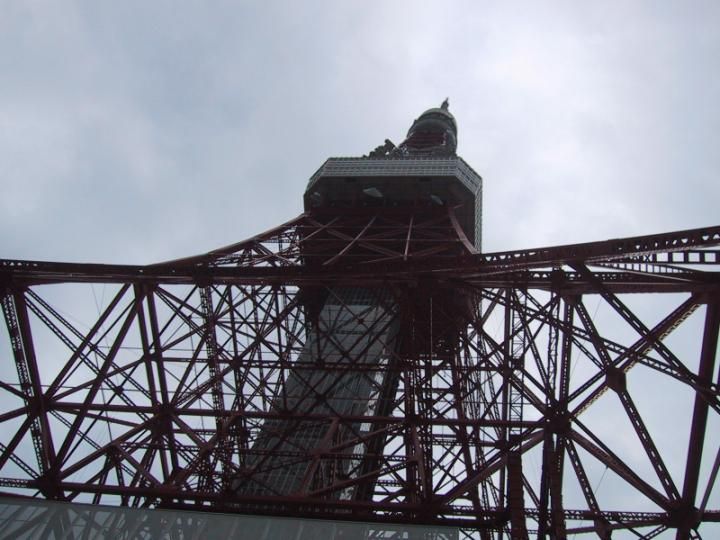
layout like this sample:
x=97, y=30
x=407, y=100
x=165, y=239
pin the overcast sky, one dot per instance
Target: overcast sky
x=135, y=132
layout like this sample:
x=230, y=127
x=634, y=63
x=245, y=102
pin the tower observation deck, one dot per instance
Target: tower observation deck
x=365, y=371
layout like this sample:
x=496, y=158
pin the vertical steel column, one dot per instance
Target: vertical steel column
x=18, y=324
x=699, y=421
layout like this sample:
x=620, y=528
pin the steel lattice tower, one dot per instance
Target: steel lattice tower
x=367, y=361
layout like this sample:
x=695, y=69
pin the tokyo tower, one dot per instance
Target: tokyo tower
x=365, y=370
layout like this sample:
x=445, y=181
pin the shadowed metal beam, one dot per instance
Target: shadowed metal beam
x=700, y=413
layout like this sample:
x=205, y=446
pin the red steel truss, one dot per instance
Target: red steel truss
x=545, y=392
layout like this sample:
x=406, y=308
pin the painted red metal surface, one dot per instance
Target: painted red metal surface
x=526, y=379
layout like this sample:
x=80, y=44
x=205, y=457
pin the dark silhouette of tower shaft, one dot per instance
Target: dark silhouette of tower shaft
x=366, y=361
x=357, y=329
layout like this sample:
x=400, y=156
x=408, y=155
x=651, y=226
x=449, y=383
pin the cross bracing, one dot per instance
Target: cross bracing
x=544, y=392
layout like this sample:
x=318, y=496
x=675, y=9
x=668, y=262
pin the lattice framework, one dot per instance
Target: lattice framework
x=152, y=392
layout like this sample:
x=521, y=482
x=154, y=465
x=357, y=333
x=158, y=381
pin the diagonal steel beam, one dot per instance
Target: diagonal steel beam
x=95, y=388
x=605, y=456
